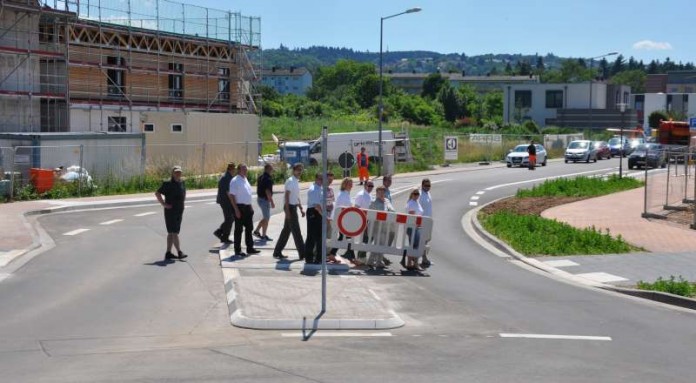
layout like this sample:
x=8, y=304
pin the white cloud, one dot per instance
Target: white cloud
x=650, y=45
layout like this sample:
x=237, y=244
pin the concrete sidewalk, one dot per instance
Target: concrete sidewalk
x=267, y=293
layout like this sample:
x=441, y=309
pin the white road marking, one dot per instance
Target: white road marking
x=561, y=263
x=211, y=203
x=76, y=232
x=480, y=192
x=336, y=334
x=602, y=277
x=144, y=214
x=374, y=295
x=551, y=336
x=111, y=222
x=187, y=206
x=472, y=203
x=542, y=179
x=475, y=198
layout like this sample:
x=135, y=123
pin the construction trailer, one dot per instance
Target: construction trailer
x=101, y=65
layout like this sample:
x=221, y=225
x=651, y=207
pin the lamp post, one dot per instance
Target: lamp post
x=622, y=107
x=381, y=105
x=592, y=78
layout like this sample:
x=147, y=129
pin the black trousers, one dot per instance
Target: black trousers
x=226, y=225
x=244, y=222
x=291, y=225
x=314, y=239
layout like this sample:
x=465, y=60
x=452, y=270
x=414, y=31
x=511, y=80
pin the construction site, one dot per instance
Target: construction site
x=95, y=65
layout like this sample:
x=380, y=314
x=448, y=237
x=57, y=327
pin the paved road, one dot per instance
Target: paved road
x=100, y=306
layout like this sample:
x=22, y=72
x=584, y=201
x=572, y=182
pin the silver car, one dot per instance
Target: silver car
x=519, y=156
x=580, y=150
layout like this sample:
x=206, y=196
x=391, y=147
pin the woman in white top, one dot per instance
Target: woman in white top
x=343, y=200
x=413, y=207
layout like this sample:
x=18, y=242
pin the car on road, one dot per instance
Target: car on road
x=580, y=150
x=633, y=144
x=601, y=149
x=618, y=146
x=647, y=155
x=519, y=156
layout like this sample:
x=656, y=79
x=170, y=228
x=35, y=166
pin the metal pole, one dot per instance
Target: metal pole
x=622, y=144
x=79, y=180
x=645, y=195
x=200, y=181
x=380, y=108
x=591, y=78
x=12, y=174
x=325, y=189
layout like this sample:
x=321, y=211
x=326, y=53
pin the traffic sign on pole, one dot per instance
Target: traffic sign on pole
x=451, y=148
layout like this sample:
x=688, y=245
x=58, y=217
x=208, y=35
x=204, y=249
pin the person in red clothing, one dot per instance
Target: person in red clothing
x=363, y=162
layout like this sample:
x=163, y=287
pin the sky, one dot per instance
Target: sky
x=644, y=29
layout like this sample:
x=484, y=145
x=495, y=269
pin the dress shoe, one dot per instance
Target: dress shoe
x=253, y=251
x=279, y=256
x=182, y=255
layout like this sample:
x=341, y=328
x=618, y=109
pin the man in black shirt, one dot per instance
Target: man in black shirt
x=264, y=194
x=174, y=192
x=223, y=232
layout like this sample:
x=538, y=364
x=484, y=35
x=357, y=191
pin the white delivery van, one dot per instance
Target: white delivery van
x=351, y=142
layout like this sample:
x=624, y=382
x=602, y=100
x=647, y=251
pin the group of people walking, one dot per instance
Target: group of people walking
x=235, y=199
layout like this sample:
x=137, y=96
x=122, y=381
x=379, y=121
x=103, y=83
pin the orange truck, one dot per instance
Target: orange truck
x=676, y=137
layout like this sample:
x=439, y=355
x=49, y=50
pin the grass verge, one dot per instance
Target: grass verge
x=674, y=286
x=522, y=227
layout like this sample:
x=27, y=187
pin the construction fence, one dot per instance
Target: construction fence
x=670, y=194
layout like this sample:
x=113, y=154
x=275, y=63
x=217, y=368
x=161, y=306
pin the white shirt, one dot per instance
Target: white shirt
x=413, y=205
x=292, y=185
x=315, y=195
x=426, y=203
x=240, y=188
x=363, y=199
x=343, y=200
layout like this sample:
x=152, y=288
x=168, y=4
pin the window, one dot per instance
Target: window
x=115, y=77
x=177, y=128
x=523, y=99
x=149, y=128
x=116, y=124
x=176, y=81
x=554, y=98
x=224, y=83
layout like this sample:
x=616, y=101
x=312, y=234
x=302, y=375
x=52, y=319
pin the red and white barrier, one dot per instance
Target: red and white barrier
x=380, y=231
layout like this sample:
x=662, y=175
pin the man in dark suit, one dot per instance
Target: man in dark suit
x=223, y=232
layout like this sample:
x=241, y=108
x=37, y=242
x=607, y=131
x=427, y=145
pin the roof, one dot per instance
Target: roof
x=459, y=77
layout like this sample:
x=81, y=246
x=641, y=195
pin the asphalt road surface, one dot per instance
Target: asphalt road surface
x=101, y=306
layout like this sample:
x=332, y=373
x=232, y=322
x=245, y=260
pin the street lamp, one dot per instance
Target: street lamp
x=592, y=78
x=381, y=105
x=622, y=107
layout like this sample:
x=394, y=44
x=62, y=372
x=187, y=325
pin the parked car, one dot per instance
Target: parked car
x=618, y=146
x=633, y=144
x=519, y=156
x=647, y=155
x=580, y=150
x=601, y=149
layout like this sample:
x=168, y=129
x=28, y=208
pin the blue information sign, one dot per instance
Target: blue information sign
x=692, y=122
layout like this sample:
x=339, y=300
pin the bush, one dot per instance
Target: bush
x=680, y=287
x=580, y=187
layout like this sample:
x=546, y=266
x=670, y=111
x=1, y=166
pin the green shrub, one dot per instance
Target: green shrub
x=580, y=187
x=678, y=287
x=532, y=235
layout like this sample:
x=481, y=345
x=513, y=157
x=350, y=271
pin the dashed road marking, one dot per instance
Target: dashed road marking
x=551, y=336
x=336, y=334
x=144, y=214
x=561, y=263
x=480, y=192
x=111, y=222
x=76, y=232
x=475, y=198
x=473, y=203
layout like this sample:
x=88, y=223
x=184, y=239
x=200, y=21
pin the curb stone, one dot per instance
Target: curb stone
x=658, y=296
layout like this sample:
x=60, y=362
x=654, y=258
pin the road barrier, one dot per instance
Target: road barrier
x=380, y=231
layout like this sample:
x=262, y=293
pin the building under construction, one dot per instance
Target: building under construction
x=126, y=66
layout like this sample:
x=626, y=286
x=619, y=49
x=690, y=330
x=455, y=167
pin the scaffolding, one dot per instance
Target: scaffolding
x=125, y=55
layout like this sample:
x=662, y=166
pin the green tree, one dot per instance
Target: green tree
x=451, y=103
x=618, y=66
x=633, y=78
x=432, y=85
x=655, y=117
x=571, y=71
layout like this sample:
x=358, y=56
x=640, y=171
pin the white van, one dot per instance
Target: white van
x=351, y=142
